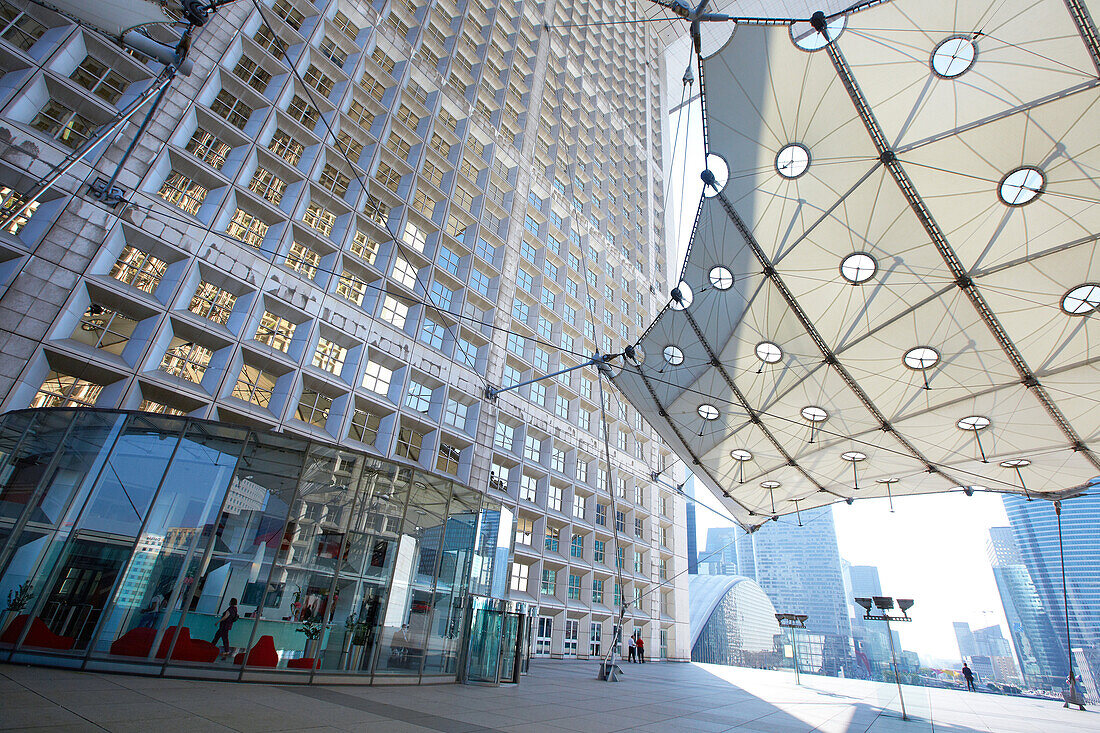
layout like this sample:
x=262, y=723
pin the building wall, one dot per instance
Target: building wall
x=448, y=198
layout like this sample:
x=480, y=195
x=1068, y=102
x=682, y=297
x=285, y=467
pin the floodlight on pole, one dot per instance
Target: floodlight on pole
x=884, y=604
x=793, y=622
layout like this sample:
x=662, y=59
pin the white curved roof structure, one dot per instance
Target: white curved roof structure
x=895, y=288
x=705, y=592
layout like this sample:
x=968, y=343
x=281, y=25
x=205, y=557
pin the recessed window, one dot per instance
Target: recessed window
x=681, y=296
x=921, y=358
x=1082, y=300
x=954, y=57
x=740, y=454
x=792, y=160
x=721, y=277
x=708, y=412
x=768, y=352
x=858, y=267
x=1021, y=186
x=806, y=37
x=673, y=355
x=973, y=422
x=854, y=456
x=716, y=164
x=814, y=414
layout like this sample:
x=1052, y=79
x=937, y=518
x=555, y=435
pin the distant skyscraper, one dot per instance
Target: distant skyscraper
x=692, y=530
x=799, y=568
x=1035, y=528
x=721, y=551
x=1039, y=652
x=968, y=646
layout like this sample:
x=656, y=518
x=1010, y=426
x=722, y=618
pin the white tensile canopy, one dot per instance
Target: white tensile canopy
x=114, y=17
x=896, y=289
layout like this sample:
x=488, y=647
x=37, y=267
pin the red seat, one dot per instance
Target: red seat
x=304, y=663
x=263, y=654
x=135, y=642
x=187, y=649
x=39, y=634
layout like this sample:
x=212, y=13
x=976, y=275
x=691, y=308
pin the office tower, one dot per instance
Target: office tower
x=1039, y=653
x=692, y=528
x=1035, y=529
x=721, y=551
x=345, y=224
x=991, y=643
x=968, y=645
x=799, y=568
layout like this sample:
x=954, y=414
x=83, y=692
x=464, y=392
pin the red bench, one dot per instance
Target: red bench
x=39, y=634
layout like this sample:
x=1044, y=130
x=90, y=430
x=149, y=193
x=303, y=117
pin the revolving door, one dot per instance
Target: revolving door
x=498, y=641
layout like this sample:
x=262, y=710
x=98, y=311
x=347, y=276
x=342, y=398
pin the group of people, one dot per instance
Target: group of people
x=635, y=649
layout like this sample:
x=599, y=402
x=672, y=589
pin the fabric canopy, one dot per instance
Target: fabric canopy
x=895, y=289
x=114, y=17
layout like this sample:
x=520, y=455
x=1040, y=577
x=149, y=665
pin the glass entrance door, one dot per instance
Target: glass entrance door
x=497, y=648
x=510, y=638
x=484, y=662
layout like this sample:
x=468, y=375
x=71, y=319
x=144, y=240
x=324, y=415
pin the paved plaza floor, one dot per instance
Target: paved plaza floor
x=555, y=696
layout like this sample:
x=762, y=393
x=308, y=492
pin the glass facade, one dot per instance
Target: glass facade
x=733, y=622
x=125, y=537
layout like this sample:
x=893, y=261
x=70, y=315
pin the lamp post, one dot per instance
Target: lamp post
x=793, y=621
x=884, y=604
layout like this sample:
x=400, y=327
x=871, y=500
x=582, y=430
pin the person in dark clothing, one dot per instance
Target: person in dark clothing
x=969, y=675
x=641, y=649
x=225, y=623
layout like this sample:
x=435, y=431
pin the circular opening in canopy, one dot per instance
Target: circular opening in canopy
x=740, y=454
x=854, y=456
x=1021, y=186
x=858, y=267
x=768, y=352
x=921, y=357
x=721, y=277
x=792, y=160
x=708, y=412
x=814, y=414
x=716, y=164
x=1015, y=463
x=681, y=296
x=954, y=56
x=673, y=355
x=806, y=37
x=1082, y=300
x=973, y=422
x=770, y=484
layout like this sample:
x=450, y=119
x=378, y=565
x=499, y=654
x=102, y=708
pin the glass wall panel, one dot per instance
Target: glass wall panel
x=251, y=532
x=171, y=544
x=455, y=562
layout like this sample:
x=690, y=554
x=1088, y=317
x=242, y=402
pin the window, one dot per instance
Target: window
x=620, y=521
x=441, y=295
x=552, y=538
x=394, y=311
x=230, y=107
x=275, y=331
x=364, y=247
x=139, y=269
x=597, y=597
x=329, y=356
x=448, y=459
x=302, y=259
x=532, y=448
x=318, y=79
x=100, y=79
x=576, y=546
x=545, y=329
x=314, y=407
x=504, y=437
x=561, y=407
x=351, y=288
x=479, y=281
x=19, y=29
x=333, y=180
x=103, y=328
x=572, y=632
x=525, y=281
x=150, y=406
x=557, y=460
x=376, y=378
x=252, y=74
x=553, y=498
x=578, y=506
x=538, y=394
x=531, y=225
x=574, y=587
x=63, y=124
x=528, y=488
x=431, y=333
x=285, y=10
x=662, y=569
x=584, y=419
x=520, y=311
x=364, y=426
x=247, y=228
x=62, y=390
x=599, y=550
x=186, y=360
x=518, y=580
x=448, y=260
x=582, y=471
x=286, y=147
x=524, y=530
x=268, y=41
x=332, y=51
x=639, y=562
x=213, y=303
x=348, y=146
x=10, y=201
x=618, y=595
x=319, y=218
x=516, y=343
x=303, y=112
x=419, y=396
x=409, y=442
x=254, y=385
x=620, y=554
x=467, y=352
x=455, y=413
x=549, y=583
x=542, y=359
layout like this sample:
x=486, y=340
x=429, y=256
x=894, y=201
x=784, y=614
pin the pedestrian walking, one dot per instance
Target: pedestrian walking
x=225, y=623
x=969, y=675
x=640, y=644
x=631, y=650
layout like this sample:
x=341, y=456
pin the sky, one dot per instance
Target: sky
x=931, y=548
